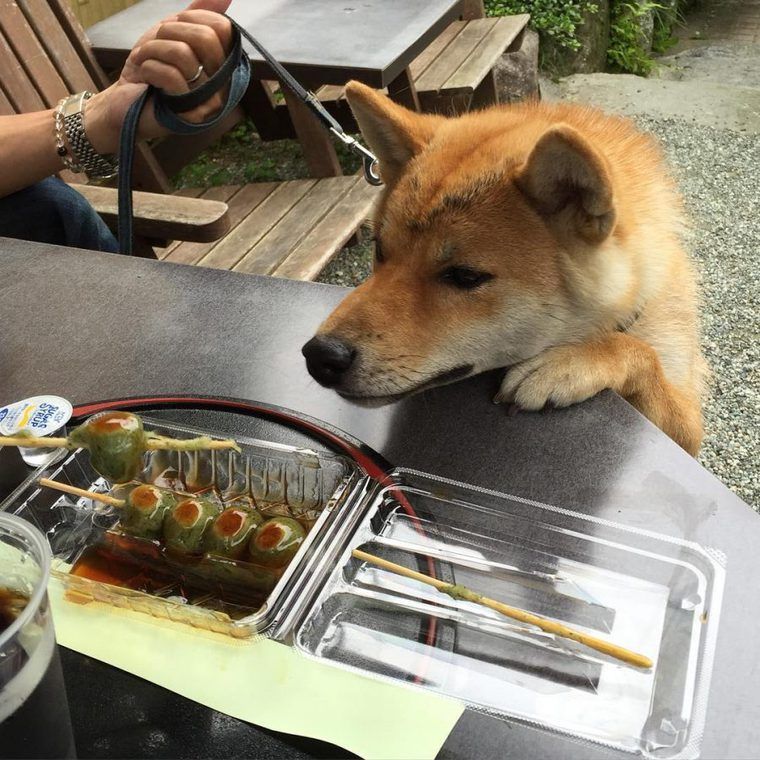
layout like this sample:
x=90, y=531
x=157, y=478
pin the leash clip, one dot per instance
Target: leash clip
x=369, y=160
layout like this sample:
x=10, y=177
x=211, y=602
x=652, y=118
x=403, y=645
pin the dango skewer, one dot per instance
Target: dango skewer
x=116, y=442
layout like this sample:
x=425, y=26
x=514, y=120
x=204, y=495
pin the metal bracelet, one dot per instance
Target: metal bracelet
x=87, y=159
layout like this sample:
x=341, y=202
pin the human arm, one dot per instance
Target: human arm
x=166, y=56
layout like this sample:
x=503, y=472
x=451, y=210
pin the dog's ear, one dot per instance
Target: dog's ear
x=394, y=133
x=569, y=184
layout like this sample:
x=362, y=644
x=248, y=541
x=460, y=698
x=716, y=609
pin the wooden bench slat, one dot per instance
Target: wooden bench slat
x=163, y=216
x=330, y=92
x=240, y=202
x=425, y=59
x=327, y=237
x=228, y=252
x=273, y=247
x=31, y=54
x=6, y=108
x=57, y=44
x=445, y=65
x=481, y=60
x=16, y=83
x=80, y=43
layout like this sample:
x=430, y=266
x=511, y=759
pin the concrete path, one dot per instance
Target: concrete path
x=703, y=103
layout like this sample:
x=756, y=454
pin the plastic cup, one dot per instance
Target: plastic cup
x=34, y=711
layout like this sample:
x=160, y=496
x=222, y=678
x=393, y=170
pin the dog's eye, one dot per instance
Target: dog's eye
x=464, y=277
x=379, y=258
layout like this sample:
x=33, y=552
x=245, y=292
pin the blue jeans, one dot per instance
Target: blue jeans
x=53, y=212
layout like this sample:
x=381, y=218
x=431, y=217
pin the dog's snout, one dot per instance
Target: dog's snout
x=328, y=359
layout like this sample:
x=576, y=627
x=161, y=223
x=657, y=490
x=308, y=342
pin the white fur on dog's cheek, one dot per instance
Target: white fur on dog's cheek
x=525, y=328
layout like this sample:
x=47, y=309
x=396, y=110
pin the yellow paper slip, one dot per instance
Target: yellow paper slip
x=371, y=718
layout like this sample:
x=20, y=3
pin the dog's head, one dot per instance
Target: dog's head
x=483, y=227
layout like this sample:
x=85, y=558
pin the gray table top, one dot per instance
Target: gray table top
x=92, y=326
x=318, y=41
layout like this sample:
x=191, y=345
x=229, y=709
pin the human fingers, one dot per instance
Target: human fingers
x=171, y=52
x=220, y=24
x=201, y=39
x=163, y=76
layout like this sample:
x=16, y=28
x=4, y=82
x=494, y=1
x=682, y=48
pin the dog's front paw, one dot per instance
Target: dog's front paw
x=559, y=376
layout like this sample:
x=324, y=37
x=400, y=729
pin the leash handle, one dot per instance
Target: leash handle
x=236, y=70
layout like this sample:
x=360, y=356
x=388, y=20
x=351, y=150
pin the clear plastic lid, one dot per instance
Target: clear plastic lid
x=649, y=593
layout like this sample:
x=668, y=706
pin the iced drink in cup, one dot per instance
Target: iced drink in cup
x=34, y=712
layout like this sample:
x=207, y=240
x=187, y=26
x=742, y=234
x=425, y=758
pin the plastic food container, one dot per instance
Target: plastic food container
x=647, y=592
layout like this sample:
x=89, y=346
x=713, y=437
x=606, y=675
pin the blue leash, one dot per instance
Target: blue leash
x=236, y=70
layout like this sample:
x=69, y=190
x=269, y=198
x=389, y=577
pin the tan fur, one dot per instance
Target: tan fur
x=573, y=214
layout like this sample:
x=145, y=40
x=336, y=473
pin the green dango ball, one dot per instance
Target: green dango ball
x=186, y=523
x=276, y=542
x=230, y=532
x=116, y=441
x=144, y=511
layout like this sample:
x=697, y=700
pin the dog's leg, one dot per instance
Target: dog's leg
x=571, y=373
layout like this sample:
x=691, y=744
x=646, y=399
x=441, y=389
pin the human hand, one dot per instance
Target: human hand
x=166, y=56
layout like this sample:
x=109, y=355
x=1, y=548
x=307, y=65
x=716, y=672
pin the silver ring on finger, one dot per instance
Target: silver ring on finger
x=197, y=75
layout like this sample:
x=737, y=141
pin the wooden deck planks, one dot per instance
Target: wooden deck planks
x=241, y=200
x=288, y=229
x=229, y=251
x=327, y=237
x=275, y=246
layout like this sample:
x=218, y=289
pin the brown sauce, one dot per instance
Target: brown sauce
x=236, y=588
x=144, y=497
x=110, y=422
x=229, y=522
x=187, y=512
x=12, y=603
x=270, y=536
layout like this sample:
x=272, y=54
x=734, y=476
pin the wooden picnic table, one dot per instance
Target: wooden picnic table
x=321, y=42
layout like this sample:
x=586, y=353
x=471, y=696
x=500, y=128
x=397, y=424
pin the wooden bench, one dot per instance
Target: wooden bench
x=452, y=75
x=287, y=229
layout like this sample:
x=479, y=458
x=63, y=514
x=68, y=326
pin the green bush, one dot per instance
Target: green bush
x=627, y=51
x=557, y=19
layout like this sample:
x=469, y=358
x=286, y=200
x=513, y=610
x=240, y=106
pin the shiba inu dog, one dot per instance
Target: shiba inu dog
x=539, y=237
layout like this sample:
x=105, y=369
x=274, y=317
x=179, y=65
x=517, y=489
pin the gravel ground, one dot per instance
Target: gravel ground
x=717, y=172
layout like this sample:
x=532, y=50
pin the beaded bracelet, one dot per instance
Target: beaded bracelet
x=60, y=141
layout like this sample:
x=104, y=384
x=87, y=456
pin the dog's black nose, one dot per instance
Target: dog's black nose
x=328, y=359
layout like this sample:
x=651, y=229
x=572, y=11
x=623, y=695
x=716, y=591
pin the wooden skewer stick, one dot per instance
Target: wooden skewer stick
x=31, y=442
x=189, y=444
x=151, y=443
x=66, y=488
x=549, y=626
